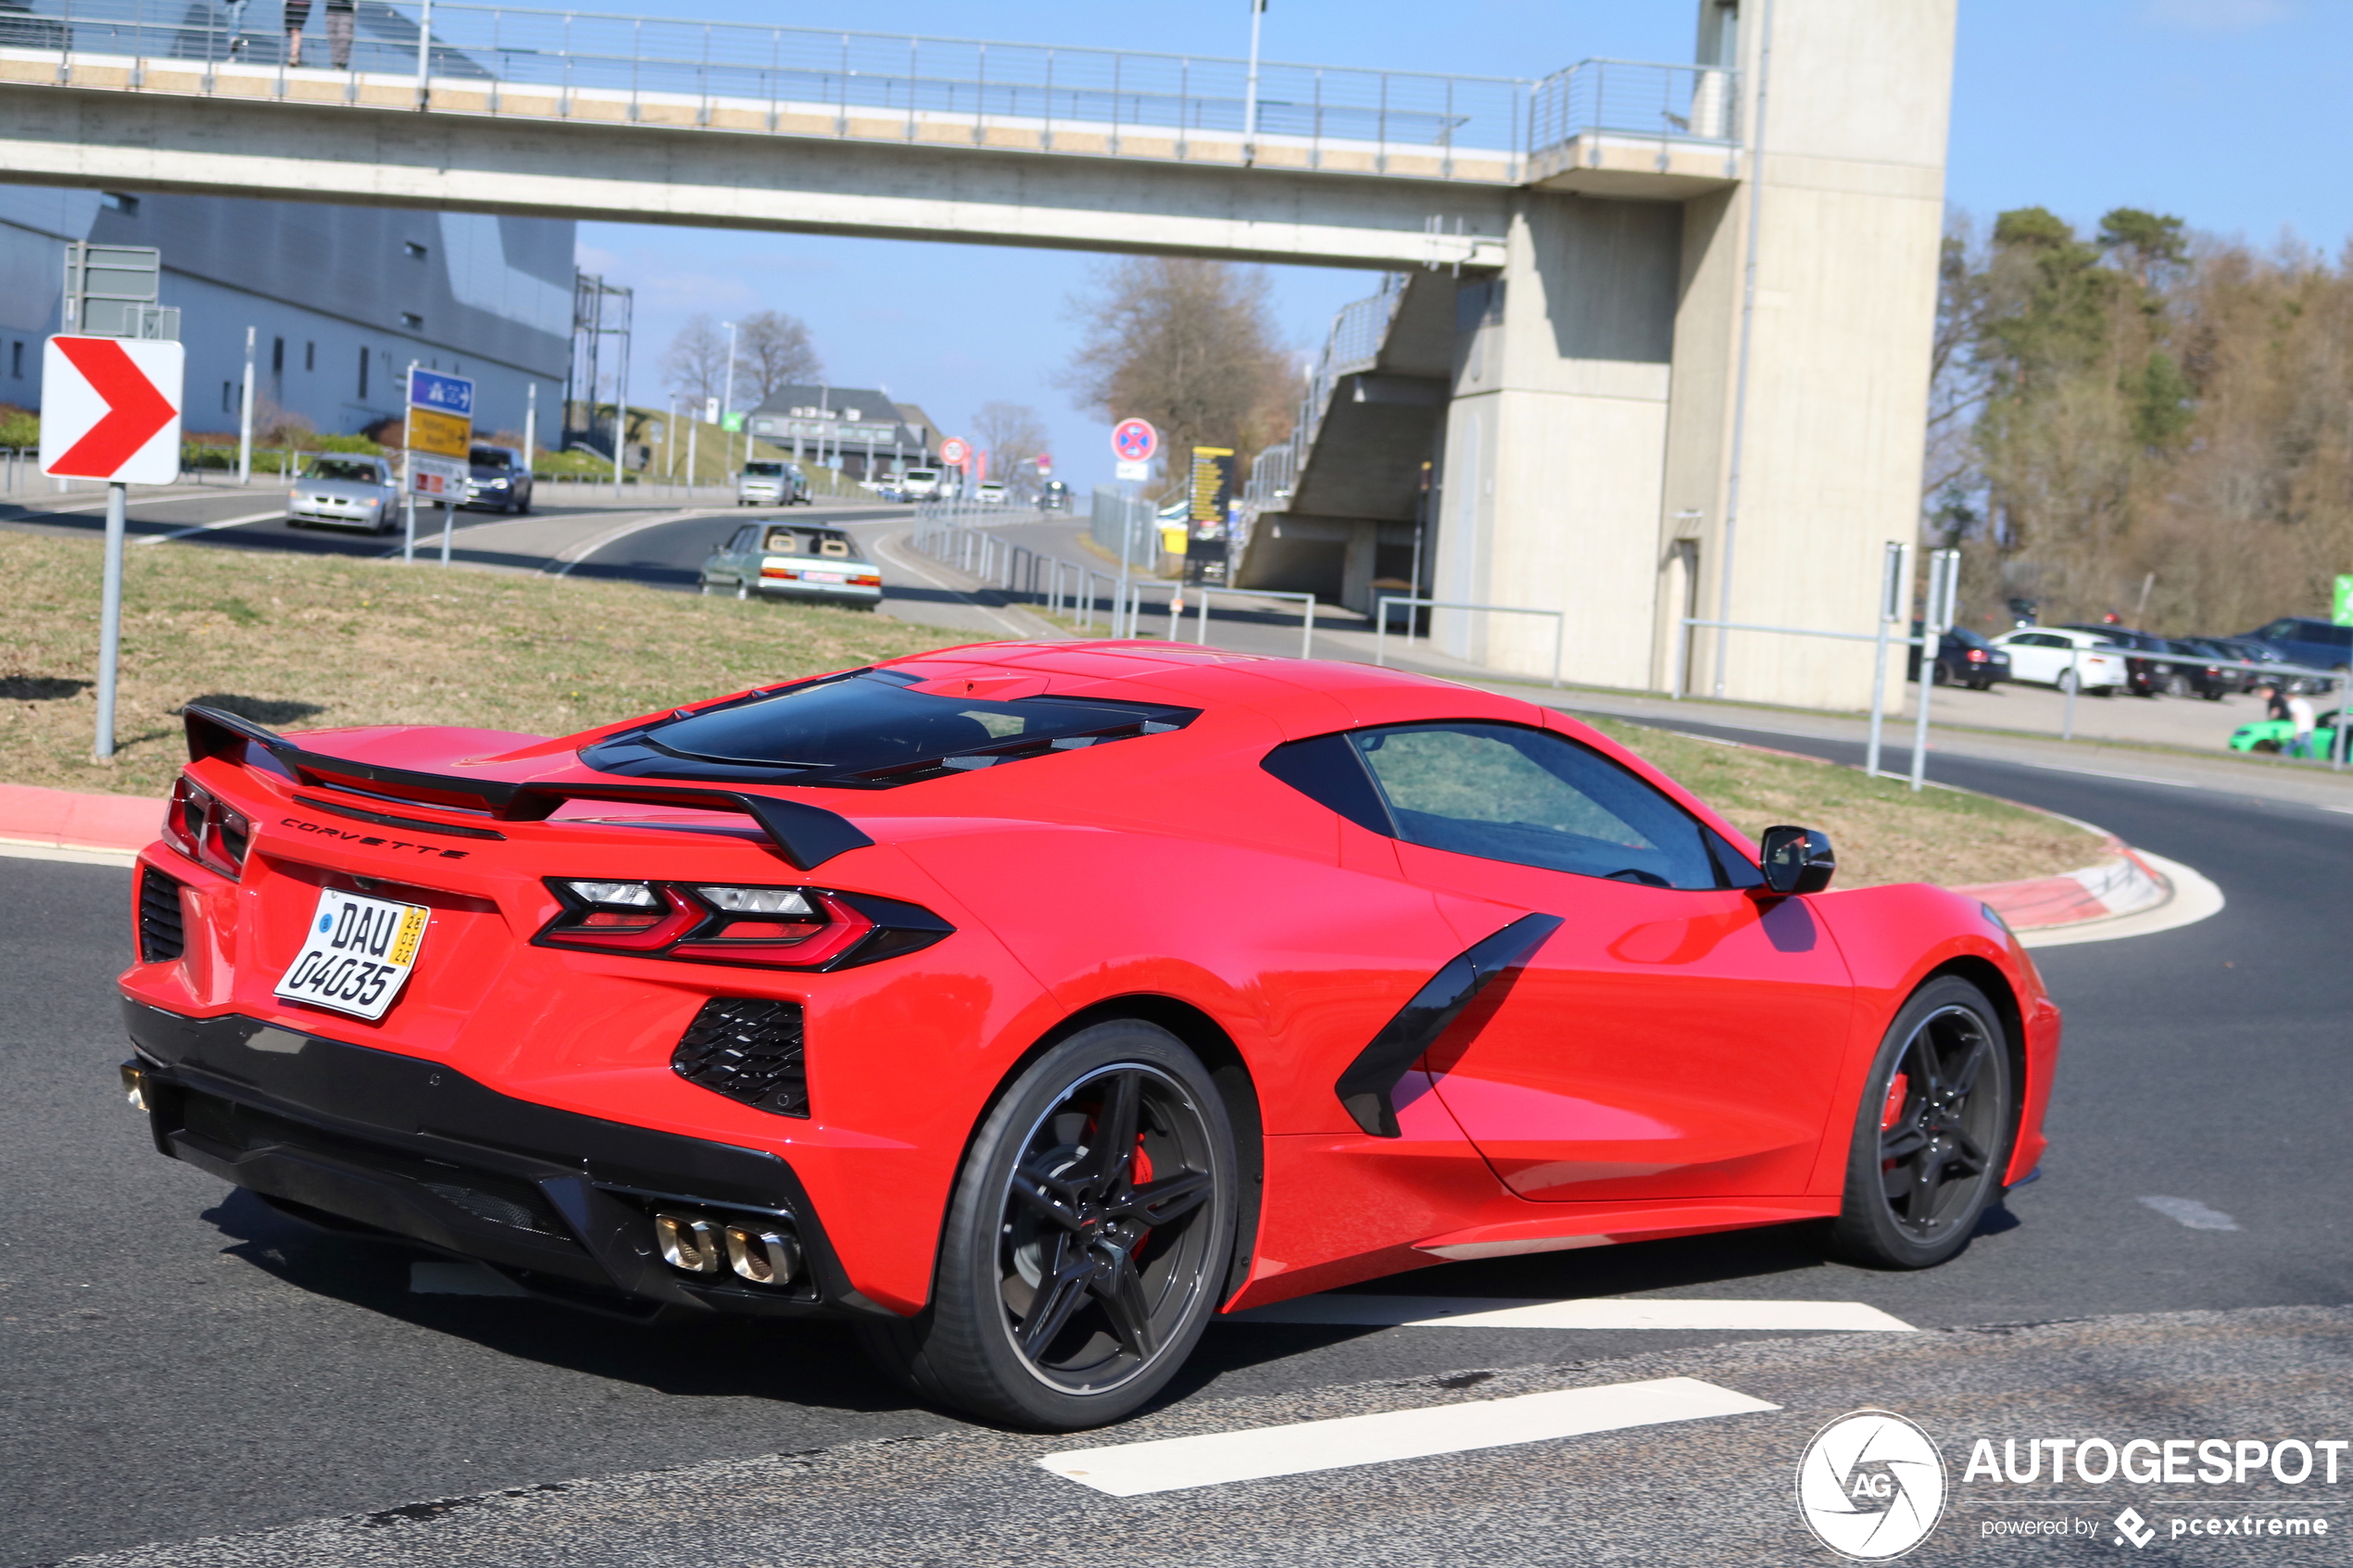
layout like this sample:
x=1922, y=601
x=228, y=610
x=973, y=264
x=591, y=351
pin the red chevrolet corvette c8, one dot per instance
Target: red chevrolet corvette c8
x=1029, y=1004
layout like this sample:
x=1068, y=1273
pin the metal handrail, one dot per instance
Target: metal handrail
x=1307, y=620
x=829, y=76
x=1380, y=623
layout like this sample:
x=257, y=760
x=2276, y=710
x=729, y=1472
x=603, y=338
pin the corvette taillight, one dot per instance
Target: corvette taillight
x=1976, y=655
x=769, y=927
x=200, y=826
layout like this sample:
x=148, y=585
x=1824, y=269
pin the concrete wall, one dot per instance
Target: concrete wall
x=1589, y=459
x=1850, y=207
x=1551, y=485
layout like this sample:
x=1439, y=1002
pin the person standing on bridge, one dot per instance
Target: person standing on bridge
x=341, y=16
x=298, y=13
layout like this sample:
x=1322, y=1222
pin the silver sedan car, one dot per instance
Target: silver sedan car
x=774, y=560
x=341, y=490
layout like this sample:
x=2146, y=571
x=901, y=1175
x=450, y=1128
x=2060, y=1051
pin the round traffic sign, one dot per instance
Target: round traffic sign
x=954, y=450
x=1134, y=440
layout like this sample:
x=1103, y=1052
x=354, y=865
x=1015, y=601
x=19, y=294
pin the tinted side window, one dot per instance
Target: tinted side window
x=1533, y=798
x=1327, y=771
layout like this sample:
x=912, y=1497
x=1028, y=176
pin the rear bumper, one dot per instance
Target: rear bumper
x=559, y=1202
x=818, y=592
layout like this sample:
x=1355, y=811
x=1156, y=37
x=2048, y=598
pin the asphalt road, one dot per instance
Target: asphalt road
x=178, y=1363
x=661, y=546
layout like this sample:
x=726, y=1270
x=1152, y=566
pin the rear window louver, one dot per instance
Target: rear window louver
x=869, y=730
x=162, y=937
x=805, y=836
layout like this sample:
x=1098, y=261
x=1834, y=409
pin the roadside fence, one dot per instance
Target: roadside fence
x=1380, y=623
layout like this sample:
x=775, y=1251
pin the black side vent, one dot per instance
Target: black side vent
x=161, y=936
x=749, y=1050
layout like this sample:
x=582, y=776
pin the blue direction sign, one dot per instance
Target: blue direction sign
x=447, y=394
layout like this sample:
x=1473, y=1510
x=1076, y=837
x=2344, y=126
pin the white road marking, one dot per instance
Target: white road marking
x=2193, y=1213
x=1215, y=1458
x=459, y=1279
x=1605, y=1312
x=35, y=849
x=276, y=512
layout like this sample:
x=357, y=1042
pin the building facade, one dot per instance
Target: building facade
x=342, y=300
x=858, y=431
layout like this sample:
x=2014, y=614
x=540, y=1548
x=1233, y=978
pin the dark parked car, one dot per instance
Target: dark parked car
x=2230, y=651
x=2144, y=677
x=2302, y=640
x=496, y=477
x=2207, y=678
x=1963, y=659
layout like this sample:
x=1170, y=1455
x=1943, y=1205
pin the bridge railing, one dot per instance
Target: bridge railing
x=934, y=87
x=1656, y=102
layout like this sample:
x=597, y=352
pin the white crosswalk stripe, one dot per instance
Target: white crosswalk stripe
x=1605, y=1312
x=1215, y=1458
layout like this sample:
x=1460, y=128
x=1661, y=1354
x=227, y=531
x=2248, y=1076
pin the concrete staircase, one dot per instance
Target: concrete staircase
x=1337, y=509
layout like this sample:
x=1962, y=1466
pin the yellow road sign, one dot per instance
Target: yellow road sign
x=445, y=435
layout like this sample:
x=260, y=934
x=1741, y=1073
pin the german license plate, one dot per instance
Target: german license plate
x=822, y=577
x=357, y=954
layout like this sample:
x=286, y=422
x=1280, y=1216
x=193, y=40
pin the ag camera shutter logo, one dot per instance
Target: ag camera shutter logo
x=1871, y=1486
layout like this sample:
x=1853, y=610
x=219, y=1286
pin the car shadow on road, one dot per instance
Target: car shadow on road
x=816, y=1363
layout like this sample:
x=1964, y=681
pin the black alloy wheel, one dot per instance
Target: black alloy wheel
x=1932, y=1135
x=1089, y=1240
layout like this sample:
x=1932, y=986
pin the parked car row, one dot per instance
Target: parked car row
x=2105, y=659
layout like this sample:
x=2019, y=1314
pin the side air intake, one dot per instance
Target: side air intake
x=161, y=935
x=749, y=1050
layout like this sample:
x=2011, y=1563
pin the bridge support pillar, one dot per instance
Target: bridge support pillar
x=1590, y=459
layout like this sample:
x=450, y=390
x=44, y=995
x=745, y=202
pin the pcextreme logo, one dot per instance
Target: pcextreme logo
x=1871, y=1486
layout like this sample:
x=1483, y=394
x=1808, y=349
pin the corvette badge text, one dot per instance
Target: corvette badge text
x=1872, y=1484
x=373, y=840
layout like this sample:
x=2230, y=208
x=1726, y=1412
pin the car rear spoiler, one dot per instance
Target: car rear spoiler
x=805, y=836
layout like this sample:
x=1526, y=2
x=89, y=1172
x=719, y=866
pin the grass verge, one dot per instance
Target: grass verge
x=1883, y=832
x=302, y=642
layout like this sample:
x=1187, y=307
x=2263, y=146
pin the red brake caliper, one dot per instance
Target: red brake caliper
x=1894, y=1111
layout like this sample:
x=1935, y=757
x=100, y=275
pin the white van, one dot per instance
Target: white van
x=920, y=484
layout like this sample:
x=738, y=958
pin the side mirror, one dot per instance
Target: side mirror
x=1797, y=860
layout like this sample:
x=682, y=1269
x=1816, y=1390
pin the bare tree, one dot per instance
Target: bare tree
x=695, y=364
x=773, y=350
x=1011, y=433
x=1190, y=346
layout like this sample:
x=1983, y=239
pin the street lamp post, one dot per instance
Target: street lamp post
x=1249, y=101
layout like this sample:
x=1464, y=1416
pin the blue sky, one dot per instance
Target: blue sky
x=2223, y=111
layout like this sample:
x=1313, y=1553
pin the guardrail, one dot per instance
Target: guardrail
x=1380, y=623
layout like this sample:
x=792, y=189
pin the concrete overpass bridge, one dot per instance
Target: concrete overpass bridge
x=1586, y=301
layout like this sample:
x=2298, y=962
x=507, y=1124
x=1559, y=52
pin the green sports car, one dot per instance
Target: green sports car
x=2274, y=735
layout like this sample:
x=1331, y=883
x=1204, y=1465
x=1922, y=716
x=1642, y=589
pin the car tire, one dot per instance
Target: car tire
x=1939, y=675
x=743, y=589
x=2268, y=747
x=2068, y=681
x=1033, y=1204
x=1917, y=1183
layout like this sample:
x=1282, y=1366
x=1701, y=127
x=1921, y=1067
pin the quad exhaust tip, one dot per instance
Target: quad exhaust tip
x=694, y=1244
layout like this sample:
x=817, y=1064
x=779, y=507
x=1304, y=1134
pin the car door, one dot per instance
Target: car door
x=737, y=561
x=2033, y=656
x=1678, y=1035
